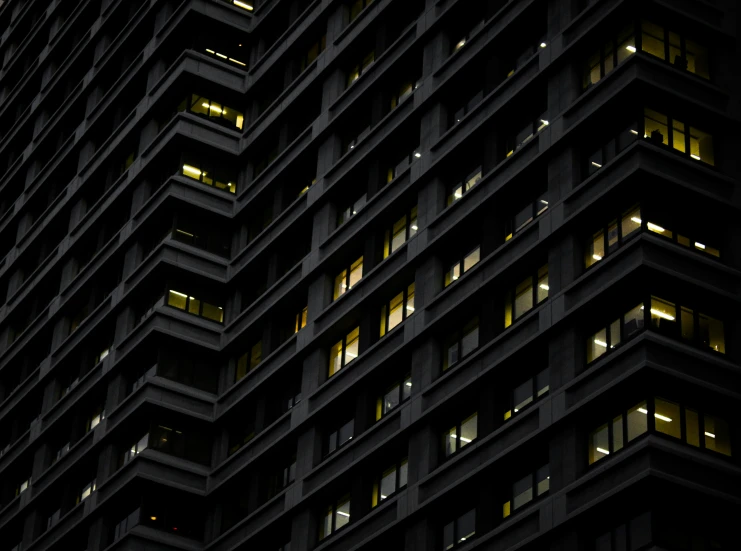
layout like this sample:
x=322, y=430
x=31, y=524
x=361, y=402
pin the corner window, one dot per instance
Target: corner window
x=685, y=139
x=459, y=530
x=393, y=397
x=136, y=448
x=528, y=392
x=462, y=266
x=348, y=278
x=344, y=351
x=204, y=173
x=616, y=50
x=460, y=435
x=397, y=310
x=195, y=306
x=461, y=188
x=301, y=319
x=355, y=72
x=351, y=211
x=526, y=133
x=676, y=49
x=525, y=216
x=249, y=360
x=526, y=489
x=608, y=239
x=400, y=232
x=461, y=343
x=620, y=330
x=389, y=482
x=336, y=516
x=529, y=292
x=213, y=110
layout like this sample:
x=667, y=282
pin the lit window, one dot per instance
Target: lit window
x=459, y=530
x=313, y=52
x=402, y=230
x=340, y=436
x=206, y=175
x=691, y=142
x=610, y=437
x=526, y=489
x=613, y=52
x=355, y=73
x=391, y=481
x=670, y=46
x=225, y=57
x=95, y=419
x=301, y=319
x=525, y=216
x=461, y=343
x=610, y=337
x=136, y=448
x=402, y=164
x=351, y=211
x=528, y=392
x=529, y=292
x=344, y=351
x=608, y=239
x=86, y=491
x=462, y=266
x=249, y=360
x=526, y=133
x=347, y=278
x=212, y=110
x=194, y=306
x=460, y=435
x=335, y=517
x=405, y=91
x=396, y=311
x=460, y=189
x=393, y=397
x=244, y=5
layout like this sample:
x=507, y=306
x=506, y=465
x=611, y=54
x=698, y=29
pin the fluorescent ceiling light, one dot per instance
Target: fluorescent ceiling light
x=243, y=5
x=709, y=434
x=696, y=157
x=660, y=314
x=654, y=227
x=192, y=170
x=657, y=415
x=600, y=343
x=596, y=164
x=596, y=257
x=699, y=245
x=603, y=451
x=543, y=44
x=631, y=49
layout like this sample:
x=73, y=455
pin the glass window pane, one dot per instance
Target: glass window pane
x=399, y=233
x=701, y=146
x=542, y=382
x=410, y=301
x=592, y=73
x=599, y=445
x=631, y=222
x=523, y=218
x=523, y=297
x=692, y=428
x=653, y=39
x=345, y=433
x=612, y=236
x=194, y=305
x=470, y=341
x=456, y=194
x=661, y=230
x=351, y=348
x=472, y=259
x=406, y=388
x=451, y=356
x=712, y=334
x=403, y=473
x=615, y=333
x=391, y=399
x=176, y=299
x=343, y=514
x=637, y=421
x=595, y=249
x=667, y=418
x=678, y=136
x=523, y=395
x=675, y=50
x=356, y=272
x=448, y=536
x=656, y=127
x=212, y=312
x=687, y=324
x=717, y=435
x=453, y=274
x=335, y=358
x=388, y=482
x=626, y=47
x=413, y=223
x=469, y=430
x=326, y=528
x=595, y=162
x=617, y=433
x=633, y=321
x=697, y=59
x=340, y=284
x=663, y=316
x=396, y=311
x=522, y=492
x=466, y=525
x=543, y=287
x=596, y=345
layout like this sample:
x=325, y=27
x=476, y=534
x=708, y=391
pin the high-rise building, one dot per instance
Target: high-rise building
x=351, y=275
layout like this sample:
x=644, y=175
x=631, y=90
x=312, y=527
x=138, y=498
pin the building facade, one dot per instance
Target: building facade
x=370, y=274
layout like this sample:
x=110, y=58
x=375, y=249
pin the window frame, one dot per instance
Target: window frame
x=331, y=447
x=666, y=41
x=458, y=436
x=614, y=44
x=188, y=303
x=509, y=508
x=464, y=186
x=193, y=169
x=342, y=285
x=402, y=396
x=621, y=238
x=460, y=265
x=456, y=339
x=457, y=539
x=377, y=498
x=344, y=343
x=410, y=229
x=407, y=302
x=536, y=209
x=333, y=510
x=511, y=316
x=536, y=394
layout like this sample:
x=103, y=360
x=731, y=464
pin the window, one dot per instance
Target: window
x=402, y=164
x=529, y=292
x=462, y=266
x=223, y=56
x=335, y=517
x=347, y=278
x=607, y=151
x=211, y=175
x=683, y=240
x=461, y=188
x=677, y=50
x=136, y=448
x=658, y=415
x=526, y=489
x=608, y=239
x=631, y=535
x=515, y=142
x=301, y=319
x=23, y=486
x=404, y=91
x=312, y=52
x=393, y=397
x=461, y=343
x=86, y=491
x=389, y=482
x=344, y=351
x=687, y=140
x=339, y=436
x=351, y=211
x=212, y=110
x=525, y=216
x=355, y=73
x=400, y=232
x=194, y=306
x=468, y=106
x=357, y=6
x=95, y=419
x=249, y=360
x=396, y=311
x=460, y=435
x=459, y=530
x=695, y=328
x=528, y=392
x=603, y=61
